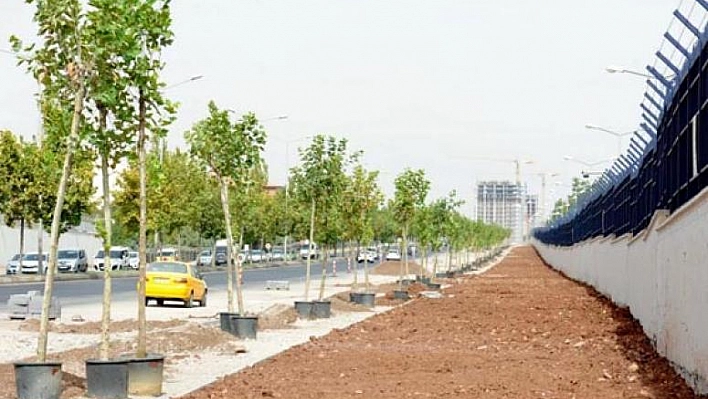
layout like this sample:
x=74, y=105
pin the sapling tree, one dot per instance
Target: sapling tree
x=411, y=189
x=230, y=151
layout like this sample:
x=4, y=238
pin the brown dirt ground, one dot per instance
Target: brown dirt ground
x=522, y=331
x=278, y=316
x=393, y=268
x=94, y=327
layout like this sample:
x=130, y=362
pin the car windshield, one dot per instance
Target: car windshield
x=116, y=254
x=16, y=257
x=167, y=252
x=35, y=257
x=167, y=267
x=68, y=254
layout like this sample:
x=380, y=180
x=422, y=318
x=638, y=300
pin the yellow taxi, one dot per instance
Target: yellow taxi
x=178, y=281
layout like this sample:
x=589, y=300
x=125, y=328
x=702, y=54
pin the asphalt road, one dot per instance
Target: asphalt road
x=87, y=291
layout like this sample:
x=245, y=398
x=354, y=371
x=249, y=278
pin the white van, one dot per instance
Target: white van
x=309, y=250
x=219, y=253
x=119, y=259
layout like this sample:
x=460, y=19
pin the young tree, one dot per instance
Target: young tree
x=62, y=65
x=230, y=151
x=319, y=182
x=361, y=198
x=411, y=189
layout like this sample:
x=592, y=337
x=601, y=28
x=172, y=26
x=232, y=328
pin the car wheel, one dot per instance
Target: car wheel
x=160, y=302
x=203, y=302
x=190, y=301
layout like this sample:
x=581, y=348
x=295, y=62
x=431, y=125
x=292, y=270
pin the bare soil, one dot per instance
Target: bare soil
x=393, y=268
x=94, y=327
x=521, y=331
x=278, y=316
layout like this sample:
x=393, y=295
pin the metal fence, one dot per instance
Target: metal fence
x=671, y=169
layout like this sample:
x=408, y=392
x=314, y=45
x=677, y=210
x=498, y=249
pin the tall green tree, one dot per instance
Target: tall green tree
x=230, y=151
x=319, y=181
x=411, y=190
x=61, y=63
x=361, y=197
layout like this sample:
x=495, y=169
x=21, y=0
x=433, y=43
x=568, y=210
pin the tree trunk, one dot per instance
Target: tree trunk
x=366, y=269
x=325, y=258
x=107, y=223
x=424, y=269
x=229, y=245
x=40, y=246
x=352, y=262
x=405, y=247
x=71, y=144
x=141, y=350
x=239, y=283
x=435, y=266
x=309, y=251
x=22, y=243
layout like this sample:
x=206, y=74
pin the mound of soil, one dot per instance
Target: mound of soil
x=393, y=268
x=278, y=316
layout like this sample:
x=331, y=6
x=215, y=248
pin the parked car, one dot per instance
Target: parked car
x=167, y=255
x=204, y=258
x=119, y=259
x=393, y=254
x=30, y=263
x=177, y=281
x=256, y=255
x=277, y=254
x=133, y=260
x=310, y=251
x=368, y=255
x=72, y=260
x=13, y=265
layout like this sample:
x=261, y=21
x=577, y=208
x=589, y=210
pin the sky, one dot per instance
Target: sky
x=460, y=88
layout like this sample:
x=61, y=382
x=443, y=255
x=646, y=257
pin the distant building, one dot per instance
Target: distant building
x=532, y=213
x=503, y=203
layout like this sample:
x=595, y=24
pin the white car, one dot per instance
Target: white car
x=393, y=255
x=256, y=255
x=133, y=260
x=13, y=265
x=204, y=258
x=30, y=263
x=368, y=256
x=119, y=259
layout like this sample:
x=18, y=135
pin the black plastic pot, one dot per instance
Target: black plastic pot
x=365, y=298
x=244, y=327
x=322, y=309
x=304, y=309
x=434, y=286
x=397, y=294
x=225, y=321
x=107, y=379
x=450, y=274
x=38, y=380
x=145, y=374
x=441, y=275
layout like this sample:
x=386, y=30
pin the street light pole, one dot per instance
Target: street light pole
x=612, y=132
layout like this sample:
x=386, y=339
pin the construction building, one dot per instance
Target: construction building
x=504, y=203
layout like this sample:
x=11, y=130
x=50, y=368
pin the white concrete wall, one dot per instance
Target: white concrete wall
x=83, y=237
x=661, y=275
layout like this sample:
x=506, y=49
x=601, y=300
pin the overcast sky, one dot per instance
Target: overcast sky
x=437, y=84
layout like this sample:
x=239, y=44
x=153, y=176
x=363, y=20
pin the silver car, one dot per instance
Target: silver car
x=13, y=265
x=72, y=260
